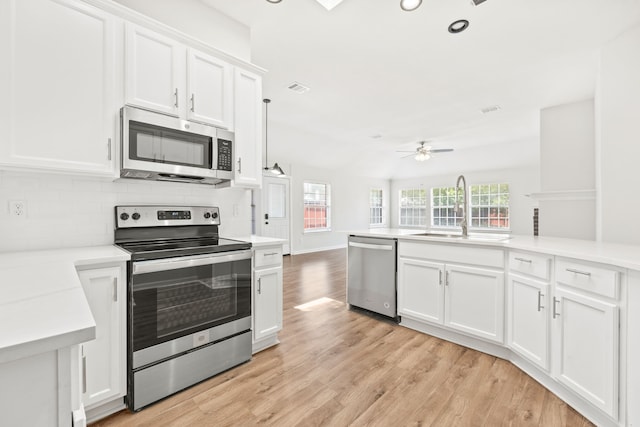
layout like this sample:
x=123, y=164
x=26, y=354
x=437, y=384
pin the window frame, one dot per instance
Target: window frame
x=424, y=207
x=470, y=209
x=327, y=207
x=380, y=207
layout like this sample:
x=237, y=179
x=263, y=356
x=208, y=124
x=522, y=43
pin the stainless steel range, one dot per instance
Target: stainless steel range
x=189, y=299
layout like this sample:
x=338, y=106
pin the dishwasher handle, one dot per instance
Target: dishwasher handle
x=371, y=246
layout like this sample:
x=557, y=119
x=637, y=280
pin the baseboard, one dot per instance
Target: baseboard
x=98, y=412
x=322, y=249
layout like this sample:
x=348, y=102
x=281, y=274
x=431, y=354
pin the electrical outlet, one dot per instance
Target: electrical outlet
x=18, y=209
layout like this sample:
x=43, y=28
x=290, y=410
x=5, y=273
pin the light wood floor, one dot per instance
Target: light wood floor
x=338, y=367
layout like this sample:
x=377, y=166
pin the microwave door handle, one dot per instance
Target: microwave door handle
x=141, y=267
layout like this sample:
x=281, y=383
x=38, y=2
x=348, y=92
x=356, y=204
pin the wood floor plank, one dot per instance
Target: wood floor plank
x=336, y=366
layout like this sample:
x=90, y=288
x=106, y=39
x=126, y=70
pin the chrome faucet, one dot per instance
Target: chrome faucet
x=465, y=204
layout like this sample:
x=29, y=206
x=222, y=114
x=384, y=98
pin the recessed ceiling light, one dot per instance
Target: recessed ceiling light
x=410, y=5
x=376, y=136
x=458, y=26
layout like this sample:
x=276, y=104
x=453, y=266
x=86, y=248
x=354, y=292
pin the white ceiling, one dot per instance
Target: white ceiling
x=374, y=69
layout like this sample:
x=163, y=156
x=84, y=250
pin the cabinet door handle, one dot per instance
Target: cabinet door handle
x=528, y=261
x=84, y=373
x=109, y=149
x=584, y=273
x=239, y=164
x=440, y=276
x=446, y=278
x=540, y=306
x=115, y=289
x=176, y=97
x=193, y=102
x=260, y=285
x=555, y=302
x=271, y=254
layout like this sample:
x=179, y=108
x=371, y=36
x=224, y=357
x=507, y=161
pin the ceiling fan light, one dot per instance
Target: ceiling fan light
x=409, y=5
x=422, y=156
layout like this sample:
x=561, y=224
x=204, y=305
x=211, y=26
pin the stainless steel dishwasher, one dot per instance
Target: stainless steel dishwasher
x=371, y=274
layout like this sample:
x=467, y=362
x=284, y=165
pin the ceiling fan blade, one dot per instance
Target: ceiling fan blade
x=405, y=151
x=441, y=150
x=408, y=155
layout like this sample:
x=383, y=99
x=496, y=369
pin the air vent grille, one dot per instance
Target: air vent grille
x=298, y=87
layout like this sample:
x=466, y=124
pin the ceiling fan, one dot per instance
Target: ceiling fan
x=424, y=152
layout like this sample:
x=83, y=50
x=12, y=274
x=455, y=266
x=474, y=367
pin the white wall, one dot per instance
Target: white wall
x=68, y=211
x=522, y=181
x=200, y=21
x=349, y=206
x=567, y=163
x=618, y=140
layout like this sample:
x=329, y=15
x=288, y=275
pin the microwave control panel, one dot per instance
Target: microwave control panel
x=225, y=155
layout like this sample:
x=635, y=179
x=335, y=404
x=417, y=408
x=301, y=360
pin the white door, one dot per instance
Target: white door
x=267, y=315
x=154, y=71
x=528, y=320
x=420, y=290
x=209, y=90
x=585, y=348
x=276, y=212
x=103, y=359
x=248, y=129
x=474, y=301
x=60, y=87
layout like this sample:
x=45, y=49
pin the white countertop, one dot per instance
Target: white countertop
x=257, y=241
x=625, y=256
x=42, y=304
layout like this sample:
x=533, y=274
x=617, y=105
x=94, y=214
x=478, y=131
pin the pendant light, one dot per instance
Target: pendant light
x=275, y=169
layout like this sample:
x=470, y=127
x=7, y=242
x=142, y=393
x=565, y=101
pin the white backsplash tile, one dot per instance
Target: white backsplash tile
x=72, y=211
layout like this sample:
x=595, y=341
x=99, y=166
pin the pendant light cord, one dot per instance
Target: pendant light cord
x=266, y=132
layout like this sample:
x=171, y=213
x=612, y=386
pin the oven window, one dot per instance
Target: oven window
x=168, y=304
x=162, y=145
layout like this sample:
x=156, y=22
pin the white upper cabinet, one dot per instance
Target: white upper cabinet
x=209, y=88
x=59, y=87
x=163, y=75
x=248, y=128
x=153, y=67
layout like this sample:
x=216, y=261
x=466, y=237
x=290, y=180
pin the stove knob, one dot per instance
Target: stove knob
x=207, y=215
x=124, y=216
x=214, y=215
x=135, y=216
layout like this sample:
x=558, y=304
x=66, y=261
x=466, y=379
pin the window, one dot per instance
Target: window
x=375, y=207
x=443, y=204
x=413, y=207
x=317, y=207
x=488, y=206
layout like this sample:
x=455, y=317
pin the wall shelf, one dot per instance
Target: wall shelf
x=564, y=195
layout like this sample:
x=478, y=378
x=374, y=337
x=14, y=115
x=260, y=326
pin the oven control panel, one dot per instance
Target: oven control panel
x=156, y=216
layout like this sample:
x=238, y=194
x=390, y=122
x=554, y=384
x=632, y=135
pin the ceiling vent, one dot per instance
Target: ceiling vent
x=490, y=109
x=298, y=87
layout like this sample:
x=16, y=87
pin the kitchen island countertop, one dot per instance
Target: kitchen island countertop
x=42, y=303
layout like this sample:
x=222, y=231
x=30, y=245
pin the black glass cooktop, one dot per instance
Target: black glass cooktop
x=156, y=249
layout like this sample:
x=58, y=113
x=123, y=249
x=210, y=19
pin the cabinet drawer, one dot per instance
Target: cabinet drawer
x=486, y=257
x=588, y=277
x=534, y=265
x=268, y=257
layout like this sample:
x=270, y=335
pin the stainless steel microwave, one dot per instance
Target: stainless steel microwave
x=165, y=148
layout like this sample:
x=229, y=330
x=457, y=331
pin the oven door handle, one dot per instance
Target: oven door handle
x=141, y=267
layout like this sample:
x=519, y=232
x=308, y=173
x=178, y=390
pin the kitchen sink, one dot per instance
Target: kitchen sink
x=475, y=236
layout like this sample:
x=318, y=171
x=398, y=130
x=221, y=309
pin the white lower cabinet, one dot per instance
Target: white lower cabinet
x=528, y=319
x=466, y=298
x=586, y=349
x=103, y=360
x=267, y=296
